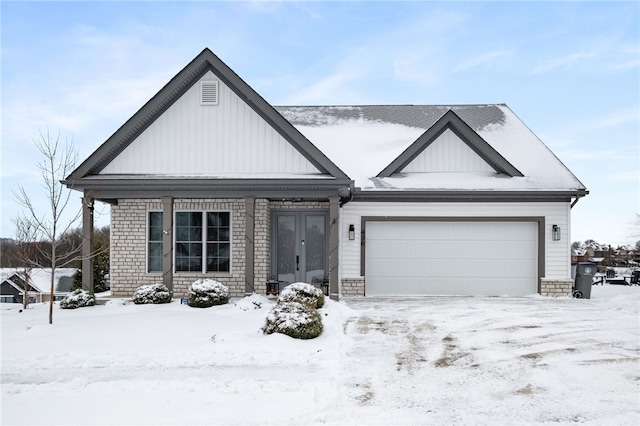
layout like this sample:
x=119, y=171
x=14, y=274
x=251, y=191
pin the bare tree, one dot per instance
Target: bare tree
x=26, y=253
x=58, y=162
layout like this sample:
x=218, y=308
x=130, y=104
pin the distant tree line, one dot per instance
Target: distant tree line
x=68, y=249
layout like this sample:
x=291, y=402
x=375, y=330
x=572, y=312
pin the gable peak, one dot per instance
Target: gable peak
x=451, y=121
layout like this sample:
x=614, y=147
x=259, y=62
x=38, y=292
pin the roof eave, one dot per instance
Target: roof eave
x=213, y=188
x=467, y=195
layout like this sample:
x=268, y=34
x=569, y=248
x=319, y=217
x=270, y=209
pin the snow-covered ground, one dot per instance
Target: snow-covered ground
x=427, y=360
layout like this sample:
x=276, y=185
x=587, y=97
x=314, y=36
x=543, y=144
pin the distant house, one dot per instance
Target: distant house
x=578, y=255
x=625, y=256
x=207, y=179
x=12, y=282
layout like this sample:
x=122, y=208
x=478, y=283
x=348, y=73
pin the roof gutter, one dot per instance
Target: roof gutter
x=465, y=196
x=343, y=196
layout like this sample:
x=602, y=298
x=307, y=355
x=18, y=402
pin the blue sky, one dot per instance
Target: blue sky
x=570, y=70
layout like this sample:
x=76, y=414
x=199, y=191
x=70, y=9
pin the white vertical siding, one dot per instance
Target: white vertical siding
x=448, y=153
x=558, y=256
x=194, y=139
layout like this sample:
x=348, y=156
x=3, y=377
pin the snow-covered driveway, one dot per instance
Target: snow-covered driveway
x=494, y=360
x=428, y=360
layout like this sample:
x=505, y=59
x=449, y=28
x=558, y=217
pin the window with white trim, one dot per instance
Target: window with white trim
x=154, y=242
x=203, y=242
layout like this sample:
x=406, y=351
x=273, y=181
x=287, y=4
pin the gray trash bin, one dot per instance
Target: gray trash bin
x=584, y=280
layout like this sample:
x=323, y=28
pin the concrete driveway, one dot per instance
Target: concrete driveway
x=451, y=360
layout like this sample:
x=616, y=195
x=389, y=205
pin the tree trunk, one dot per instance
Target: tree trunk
x=25, y=297
x=53, y=272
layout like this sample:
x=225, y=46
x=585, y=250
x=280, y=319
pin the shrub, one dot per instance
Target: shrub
x=152, y=293
x=77, y=299
x=294, y=319
x=100, y=272
x=302, y=293
x=204, y=293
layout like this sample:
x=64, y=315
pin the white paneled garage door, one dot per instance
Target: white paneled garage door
x=452, y=258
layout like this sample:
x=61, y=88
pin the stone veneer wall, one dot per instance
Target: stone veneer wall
x=261, y=245
x=298, y=205
x=128, y=245
x=555, y=287
x=352, y=287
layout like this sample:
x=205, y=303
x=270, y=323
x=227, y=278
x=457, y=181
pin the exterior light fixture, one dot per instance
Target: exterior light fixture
x=352, y=232
x=555, y=233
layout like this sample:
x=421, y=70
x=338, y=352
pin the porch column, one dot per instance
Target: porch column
x=87, y=238
x=167, y=243
x=334, y=244
x=249, y=247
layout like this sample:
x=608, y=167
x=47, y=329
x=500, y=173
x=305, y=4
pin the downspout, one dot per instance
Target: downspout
x=578, y=196
x=343, y=200
x=574, y=203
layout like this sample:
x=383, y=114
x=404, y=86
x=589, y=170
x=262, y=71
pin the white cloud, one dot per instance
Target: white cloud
x=333, y=88
x=484, y=59
x=585, y=154
x=562, y=61
x=413, y=49
x=625, y=176
x=617, y=118
x=417, y=67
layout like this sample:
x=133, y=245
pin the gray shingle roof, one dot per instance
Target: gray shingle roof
x=419, y=116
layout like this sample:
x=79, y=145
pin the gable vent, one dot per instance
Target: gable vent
x=209, y=92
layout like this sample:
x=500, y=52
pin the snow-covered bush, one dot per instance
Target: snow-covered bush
x=151, y=293
x=294, y=319
x=77, y=299
x=204, y=293
x=302, y=293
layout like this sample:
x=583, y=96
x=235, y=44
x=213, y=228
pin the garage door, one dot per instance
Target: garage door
x=451, y=258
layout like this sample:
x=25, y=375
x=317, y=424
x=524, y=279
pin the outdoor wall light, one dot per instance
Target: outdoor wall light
x=352, y=232
x=555, y=232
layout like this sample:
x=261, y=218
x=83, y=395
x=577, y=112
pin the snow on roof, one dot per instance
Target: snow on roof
x=363, y=140
x=40, y=277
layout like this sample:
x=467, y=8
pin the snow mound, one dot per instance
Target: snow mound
x=626, y=303
x=255, y=301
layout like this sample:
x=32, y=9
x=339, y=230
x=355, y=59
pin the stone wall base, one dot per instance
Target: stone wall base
x=352, y=287
x=555, y=287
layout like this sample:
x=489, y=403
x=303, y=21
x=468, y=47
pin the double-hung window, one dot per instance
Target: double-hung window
x=202, y=242
x=154, y=243
x=218, y=247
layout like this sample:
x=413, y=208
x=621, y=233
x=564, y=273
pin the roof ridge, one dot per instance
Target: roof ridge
x=388, y=105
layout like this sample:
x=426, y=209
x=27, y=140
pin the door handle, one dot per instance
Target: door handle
x=297, y=262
